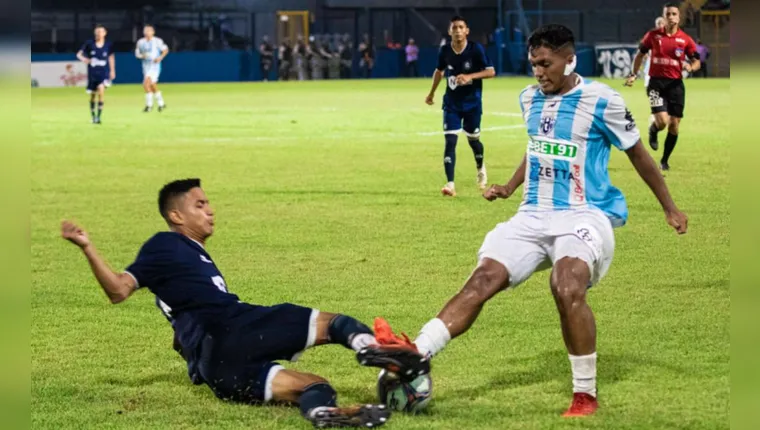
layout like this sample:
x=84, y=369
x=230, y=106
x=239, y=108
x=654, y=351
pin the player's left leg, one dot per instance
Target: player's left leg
x=156, y=92
x=582, y=252
x=676, y=102
x=471, y=126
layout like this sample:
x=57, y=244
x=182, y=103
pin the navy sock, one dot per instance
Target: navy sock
x=450, y=156
x=100, y=108
x=92, y=108
x=670, y=145
x=316, y=395
x=477, y=150
x=343, y=328
x=653, y=129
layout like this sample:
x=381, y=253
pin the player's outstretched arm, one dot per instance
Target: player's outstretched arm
x=82, y=58
x=636, y=67
x=505, y=191
x=437, y=76
x=117, y=286
x=647, y=169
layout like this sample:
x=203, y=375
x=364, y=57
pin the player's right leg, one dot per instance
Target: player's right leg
x=155, y=72
x=452, y=125
x=509, y=255
x=147, y=86
x=676, y=101
x=658, y=106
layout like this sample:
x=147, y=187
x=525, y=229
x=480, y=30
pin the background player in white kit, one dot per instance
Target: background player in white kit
x=151, y=50
x=568, y=211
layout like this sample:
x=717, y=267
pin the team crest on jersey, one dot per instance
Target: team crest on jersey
x=547, y=124
x=467, y=65
x=679, y=52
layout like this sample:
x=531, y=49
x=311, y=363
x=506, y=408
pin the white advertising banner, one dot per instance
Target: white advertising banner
x=59, y=74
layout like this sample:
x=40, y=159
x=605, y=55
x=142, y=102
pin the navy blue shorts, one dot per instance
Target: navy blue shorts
x=238, y=356
x=455, y=120
x=94, y=82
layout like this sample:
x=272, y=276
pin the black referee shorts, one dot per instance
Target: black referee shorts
x=667, y=95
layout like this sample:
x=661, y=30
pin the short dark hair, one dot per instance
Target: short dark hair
x=552, y=36
x=97, y=26
x=148, y=25
x=671, y=4
x=172, y=190
x=456, y=18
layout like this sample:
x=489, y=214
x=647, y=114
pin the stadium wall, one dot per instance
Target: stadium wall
x=231, y=66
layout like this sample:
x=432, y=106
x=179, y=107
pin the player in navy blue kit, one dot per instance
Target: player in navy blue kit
x=229, y=345
x=98, y=54
x=464, y=63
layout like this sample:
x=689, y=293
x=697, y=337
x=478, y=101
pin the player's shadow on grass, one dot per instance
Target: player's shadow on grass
x=174, y=378
x=554, y=366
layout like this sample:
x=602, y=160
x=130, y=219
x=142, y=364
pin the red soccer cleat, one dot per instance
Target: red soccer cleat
x=583, y=404
x=393, y=353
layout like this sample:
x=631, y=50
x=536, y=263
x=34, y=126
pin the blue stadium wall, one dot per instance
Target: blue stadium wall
x=230, y=66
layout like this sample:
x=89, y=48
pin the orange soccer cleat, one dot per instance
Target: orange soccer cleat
x=393, y=353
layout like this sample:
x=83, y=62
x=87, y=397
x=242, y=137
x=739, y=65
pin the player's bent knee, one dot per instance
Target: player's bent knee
x=569, y=280
x=488, y=279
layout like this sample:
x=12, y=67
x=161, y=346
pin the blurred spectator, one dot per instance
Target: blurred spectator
x=285, y=60
x=267, y=57
x=412, y=53
x=300, y=59
x=704, y=54
x=367, y=52
x=345, y=53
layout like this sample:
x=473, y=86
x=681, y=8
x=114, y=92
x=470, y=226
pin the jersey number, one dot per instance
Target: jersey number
x=219, y=282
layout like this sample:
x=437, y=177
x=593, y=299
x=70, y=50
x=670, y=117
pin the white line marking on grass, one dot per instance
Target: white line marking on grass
x=486, y=129
x=511, y=114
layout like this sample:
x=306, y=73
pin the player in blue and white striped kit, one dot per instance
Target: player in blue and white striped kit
x=151, y=50
x=568, y=212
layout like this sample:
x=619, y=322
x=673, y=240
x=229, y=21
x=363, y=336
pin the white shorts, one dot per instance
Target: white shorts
x=152, y=72
x=534, y=241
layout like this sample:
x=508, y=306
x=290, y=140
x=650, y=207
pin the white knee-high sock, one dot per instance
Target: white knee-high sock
x=149, y=99
x=584, y=373
x=159, y=99
x=432, y=338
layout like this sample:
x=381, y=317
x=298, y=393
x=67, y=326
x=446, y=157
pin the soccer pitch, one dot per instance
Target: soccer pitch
x=327, y=195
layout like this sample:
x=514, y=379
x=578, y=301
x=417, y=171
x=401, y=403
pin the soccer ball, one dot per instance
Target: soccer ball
x=411, y=397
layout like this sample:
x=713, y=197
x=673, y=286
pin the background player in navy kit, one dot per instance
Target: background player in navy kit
x=101, y=69
x=464, y=63
x=229, y=345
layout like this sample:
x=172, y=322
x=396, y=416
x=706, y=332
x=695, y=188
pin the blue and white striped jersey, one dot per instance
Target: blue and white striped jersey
x=570, y=136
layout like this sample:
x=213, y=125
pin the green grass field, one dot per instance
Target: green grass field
x=327, y=195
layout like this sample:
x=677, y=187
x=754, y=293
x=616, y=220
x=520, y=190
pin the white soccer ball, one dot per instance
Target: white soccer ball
x=412, y=397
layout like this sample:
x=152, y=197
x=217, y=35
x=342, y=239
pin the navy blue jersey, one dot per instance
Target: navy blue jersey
x=181, y=274
x=98, y=67
x=472, y=59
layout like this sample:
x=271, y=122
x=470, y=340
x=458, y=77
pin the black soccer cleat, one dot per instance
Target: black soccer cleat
x=399, y=359
x=147, y=109
x=161, y=108
x=367, y=416
x=664, y=167
x=653, y=143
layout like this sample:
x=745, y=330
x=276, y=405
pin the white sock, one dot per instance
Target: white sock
x=361, y=341
x=149, y=99
x=432, y=338
x=584, y=373
x=159, y=99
